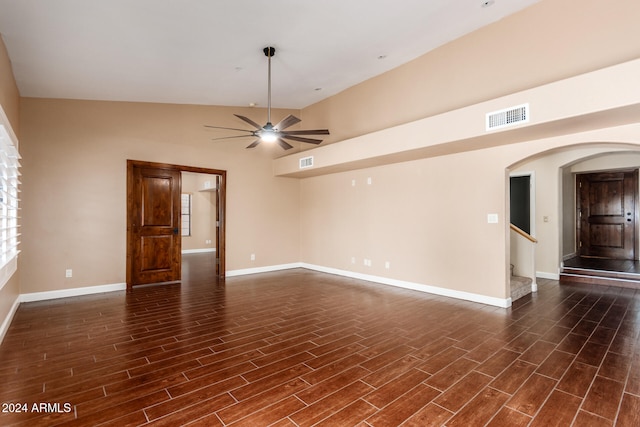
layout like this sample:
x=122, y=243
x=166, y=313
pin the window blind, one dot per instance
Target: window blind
x=186, y=214
x=9, y=200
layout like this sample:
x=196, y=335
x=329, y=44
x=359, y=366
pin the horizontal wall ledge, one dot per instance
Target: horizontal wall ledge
x=599, y=99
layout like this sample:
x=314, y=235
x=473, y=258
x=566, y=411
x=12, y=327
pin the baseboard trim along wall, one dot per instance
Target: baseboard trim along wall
x=198, y=251
x=467, y=296
x=74, y=292
x=7, y=320
x=266, y=269
x=546, y=275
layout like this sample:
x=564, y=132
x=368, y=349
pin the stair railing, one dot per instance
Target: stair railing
x=523, y=254
x=523, y=233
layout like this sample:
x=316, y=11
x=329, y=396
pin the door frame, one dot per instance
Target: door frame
x=220, y=213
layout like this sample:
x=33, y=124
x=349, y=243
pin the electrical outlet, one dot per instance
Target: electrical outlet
x=68, y=273
x=387, y=265
x=253, y=257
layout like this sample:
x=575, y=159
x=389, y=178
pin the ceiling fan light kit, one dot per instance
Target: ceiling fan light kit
x=269, y=132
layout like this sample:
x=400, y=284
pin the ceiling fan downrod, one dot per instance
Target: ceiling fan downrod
x=269, y=52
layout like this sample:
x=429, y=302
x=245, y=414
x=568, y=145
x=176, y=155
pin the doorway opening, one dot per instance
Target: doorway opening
x=521, y=203
x=199, y=225
x=155, y=220
x=606, y=217
x=522, y=255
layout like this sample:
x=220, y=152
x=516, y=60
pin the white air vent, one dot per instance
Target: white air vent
x=508, y=117
x=306, y=162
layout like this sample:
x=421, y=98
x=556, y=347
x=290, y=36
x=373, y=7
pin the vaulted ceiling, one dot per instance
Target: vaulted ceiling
x=210, y=51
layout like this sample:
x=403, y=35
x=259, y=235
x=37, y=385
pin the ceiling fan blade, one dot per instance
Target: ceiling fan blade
x=286, y=122
x=300, y=139
x=254, y=143
x=230, y=137
x=307, y=132
x=283, y=144
x=248, y=120
x=220, y=127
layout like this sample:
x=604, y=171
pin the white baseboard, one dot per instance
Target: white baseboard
x=467, y=296
x=266, y=269
x=546, y=275
x=74, y=292
x=198, y=251
x=7, y=320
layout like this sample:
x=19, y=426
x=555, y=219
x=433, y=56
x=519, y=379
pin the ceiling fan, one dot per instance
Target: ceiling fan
x=270, y=132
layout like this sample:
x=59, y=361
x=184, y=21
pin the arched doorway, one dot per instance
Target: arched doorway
x=555, y=198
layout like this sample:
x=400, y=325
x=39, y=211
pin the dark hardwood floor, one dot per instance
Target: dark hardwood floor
x=302, y=348
x=604, y=264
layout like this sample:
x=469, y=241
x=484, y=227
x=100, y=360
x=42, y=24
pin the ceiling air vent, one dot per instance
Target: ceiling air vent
x=508, y=117
x=306, y=162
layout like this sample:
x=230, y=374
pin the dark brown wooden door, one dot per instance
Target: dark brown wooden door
x=607, y=214
x=154, y=241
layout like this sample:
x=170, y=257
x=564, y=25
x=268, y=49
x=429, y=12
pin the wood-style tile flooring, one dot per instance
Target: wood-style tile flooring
x=302, y=348
x=606, y=264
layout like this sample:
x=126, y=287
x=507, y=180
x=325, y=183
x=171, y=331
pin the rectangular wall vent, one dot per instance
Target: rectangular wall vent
x=306, y=162
x=508, y=117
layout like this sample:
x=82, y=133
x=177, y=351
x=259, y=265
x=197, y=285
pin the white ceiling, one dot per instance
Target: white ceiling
x=210, y=51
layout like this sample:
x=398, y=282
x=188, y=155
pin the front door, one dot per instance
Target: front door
x=607, y=214
x=153, y=223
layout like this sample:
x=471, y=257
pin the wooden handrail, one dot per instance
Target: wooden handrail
x=523, y=233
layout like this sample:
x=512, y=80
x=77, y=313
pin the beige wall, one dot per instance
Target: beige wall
x=74, y=186
x=415, y=215
x=608, y=161
x=10, y=101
